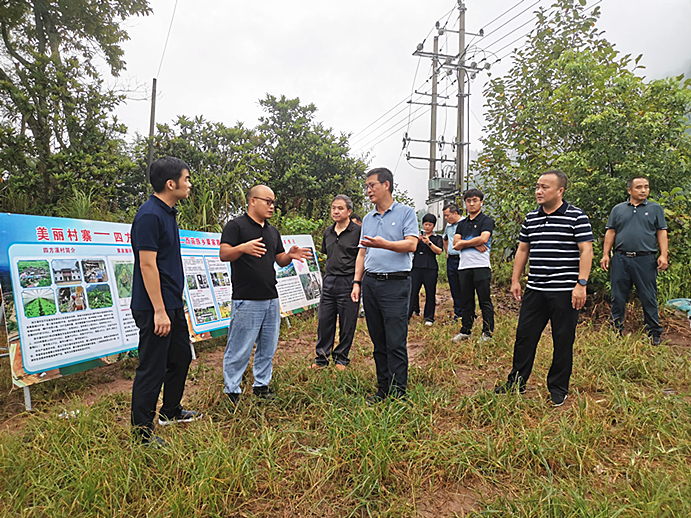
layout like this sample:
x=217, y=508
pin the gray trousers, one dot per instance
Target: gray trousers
x=642, y=273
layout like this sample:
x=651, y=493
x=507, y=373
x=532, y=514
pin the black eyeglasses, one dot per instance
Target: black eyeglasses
x=268, y=201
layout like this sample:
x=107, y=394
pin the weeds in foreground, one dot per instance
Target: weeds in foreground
x=620, y=447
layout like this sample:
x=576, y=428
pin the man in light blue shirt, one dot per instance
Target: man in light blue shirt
x=453, y=218
x=382, y=272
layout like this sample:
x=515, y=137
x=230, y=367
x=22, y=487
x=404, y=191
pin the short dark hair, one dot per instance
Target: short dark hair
x=629, y=183
x=473, y=193
x=355, y=217
x=453, y=208
x=346, y=199
x=429, y=218
x=164, y=169
x=383, y=175
x=562, y=180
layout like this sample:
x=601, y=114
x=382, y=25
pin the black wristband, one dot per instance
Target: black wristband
x=357, y=282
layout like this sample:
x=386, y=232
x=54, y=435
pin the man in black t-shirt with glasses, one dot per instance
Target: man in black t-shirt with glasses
x=252, y=245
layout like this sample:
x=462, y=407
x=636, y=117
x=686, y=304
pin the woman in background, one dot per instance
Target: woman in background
x=425, y=270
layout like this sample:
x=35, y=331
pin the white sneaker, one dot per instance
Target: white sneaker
x=459, y=337
x=485, y=337
x=429, y=323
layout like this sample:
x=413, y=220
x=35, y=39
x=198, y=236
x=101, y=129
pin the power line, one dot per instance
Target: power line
x=167, y=37
x=532, y=20
x=399, y=125
x=512, y=19
x=448, y=17
x=505, y=12
x=527, y=33
x=409, y=104
x=412, y=112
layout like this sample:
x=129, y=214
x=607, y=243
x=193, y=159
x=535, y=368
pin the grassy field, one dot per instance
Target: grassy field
x=620, y=446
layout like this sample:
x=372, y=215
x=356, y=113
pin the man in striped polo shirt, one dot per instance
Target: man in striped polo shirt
x=558, y=240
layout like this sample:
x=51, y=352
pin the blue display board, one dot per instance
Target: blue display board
x=66, y=287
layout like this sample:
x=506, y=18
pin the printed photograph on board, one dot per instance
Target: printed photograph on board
x=33, y=274
x=99, y=296
x=94, y=270
x=39, y=302
x=124, y=272
x=202, y=281
x=66, y=271
x=286, y=271
x=220, y=279
x=191, y=282
x=310, y=286
x=71, y=299
x=224, y=308
x=203, y=315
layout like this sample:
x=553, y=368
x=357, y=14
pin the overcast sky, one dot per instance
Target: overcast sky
x=353, y=60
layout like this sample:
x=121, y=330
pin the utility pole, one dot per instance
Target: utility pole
x=433, y=128
x=152, y=127
x=460, y=134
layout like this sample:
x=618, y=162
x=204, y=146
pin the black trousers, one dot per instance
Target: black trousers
x=537, y=309
x=163, y=361
x=476, y=280
x=454, y=283
x=335, y=302
x=642, y=273
x=386, y=312
x=426, y=277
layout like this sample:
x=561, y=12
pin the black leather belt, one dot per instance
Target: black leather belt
x=393, y=276
x=633, y=254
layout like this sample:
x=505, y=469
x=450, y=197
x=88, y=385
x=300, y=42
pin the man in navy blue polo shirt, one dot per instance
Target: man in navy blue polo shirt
x=558, y=240
x=635, y=229
x=157, y=307
x=387, y=242
x=252, y=245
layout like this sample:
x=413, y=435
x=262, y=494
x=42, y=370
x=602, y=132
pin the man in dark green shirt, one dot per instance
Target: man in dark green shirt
x=635, y=230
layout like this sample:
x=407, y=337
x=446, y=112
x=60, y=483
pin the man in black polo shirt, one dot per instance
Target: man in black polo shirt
x=636, y=228
x=558, y=239
x=157, y=307
x=252, y=245
x=341, y=245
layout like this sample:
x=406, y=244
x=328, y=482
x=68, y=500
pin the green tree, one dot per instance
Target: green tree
x=571, y=102
x=224, y=161
x=55, y=131
x=307, y=164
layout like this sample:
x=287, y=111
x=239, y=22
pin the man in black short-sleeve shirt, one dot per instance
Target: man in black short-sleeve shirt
x=252, y=245
x=341, y=245
x=157, y=308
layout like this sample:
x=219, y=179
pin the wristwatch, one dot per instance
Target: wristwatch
x=583, y=282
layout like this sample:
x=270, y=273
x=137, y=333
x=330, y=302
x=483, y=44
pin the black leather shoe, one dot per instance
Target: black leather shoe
x=154, y=441
x=510, y=388
x=376, y=398
x=263, y=393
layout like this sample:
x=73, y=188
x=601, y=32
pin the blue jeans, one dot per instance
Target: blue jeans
x=251, y=321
